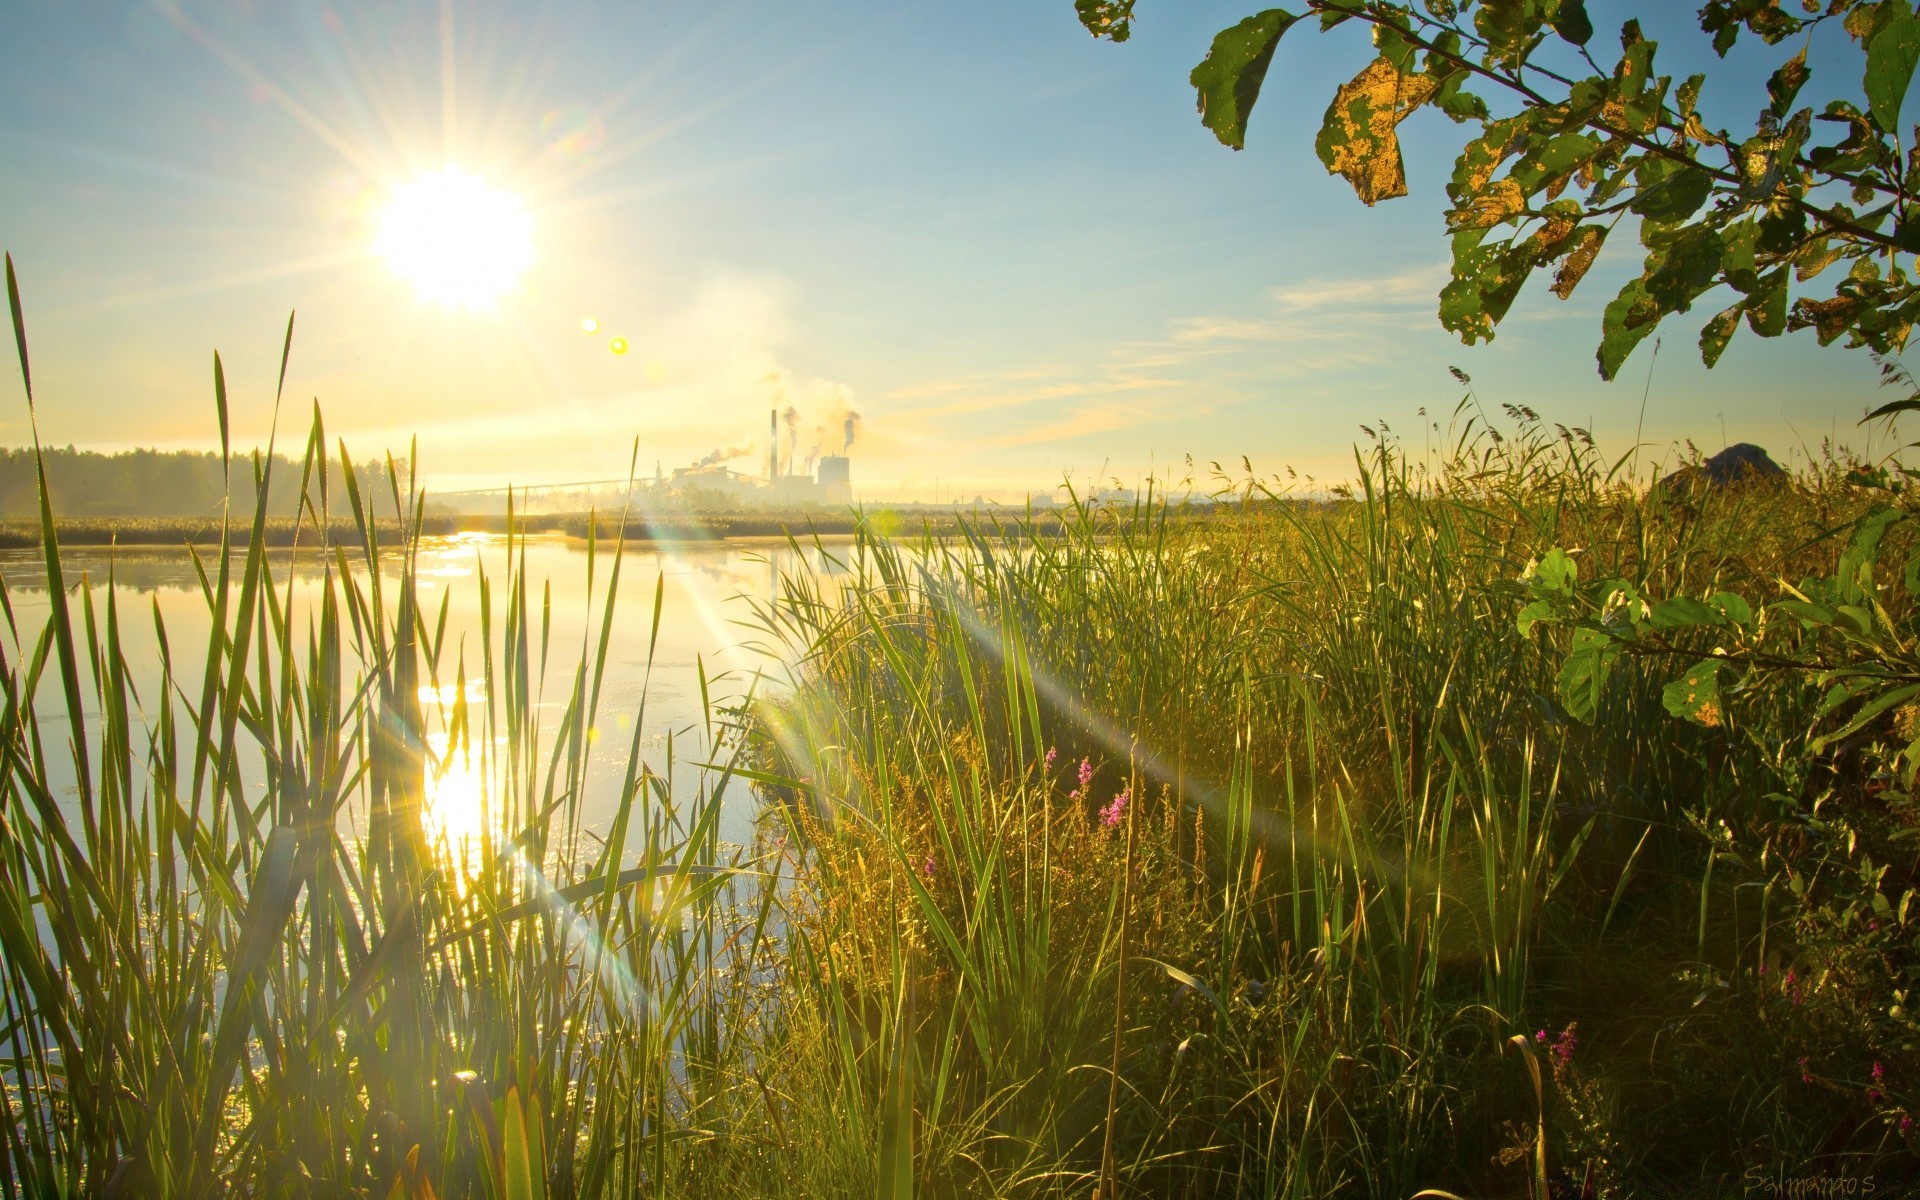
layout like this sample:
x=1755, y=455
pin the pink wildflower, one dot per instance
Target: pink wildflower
x=1086, y=772
x=1906, y=1123
x=1564, y=1045
x=927, y=868
x=1111, y=814
x=1540, y=1038
x=1806, y=1076
x=1879, y=1072
x=1873, y=1095
x=1052, y=752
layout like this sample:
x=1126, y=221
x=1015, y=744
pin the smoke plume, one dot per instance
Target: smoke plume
x=720, y=456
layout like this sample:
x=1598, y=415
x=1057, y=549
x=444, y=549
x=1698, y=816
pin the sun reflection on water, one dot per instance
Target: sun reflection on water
x=458, y=814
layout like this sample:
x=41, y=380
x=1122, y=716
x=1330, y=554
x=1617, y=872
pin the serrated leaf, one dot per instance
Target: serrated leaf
x=1357, y=139
x=1893, y=49
x=1695, y=696
x=1228, y=79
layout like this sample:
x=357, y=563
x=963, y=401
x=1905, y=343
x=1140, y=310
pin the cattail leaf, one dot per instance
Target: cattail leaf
x=19, y=331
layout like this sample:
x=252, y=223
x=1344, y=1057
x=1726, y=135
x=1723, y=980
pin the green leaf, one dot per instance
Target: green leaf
x=1890, y=408
x=1571, y=22
x=896, y=1114
x=1893, y=49
x=1556, y=571
x=516, y=1167
x=1532, y=614
x=1867, y=712
x=1683, y=612
x=1854, y=578
x=1629, y=318
x=1507, y=26
x=1733, y=607
x=1228, y=80
x=1696, y=695
x=1583, y=677
x=1784, y=84
x=1111, y=19
x=1681, y=265
x=1767, y=307
x=1716, y=333
x=1670, y=192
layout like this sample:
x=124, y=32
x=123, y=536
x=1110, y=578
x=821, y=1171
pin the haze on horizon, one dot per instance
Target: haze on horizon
x=1013, y=250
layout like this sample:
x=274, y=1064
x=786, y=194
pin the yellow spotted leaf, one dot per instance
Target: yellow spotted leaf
x=1358, y=139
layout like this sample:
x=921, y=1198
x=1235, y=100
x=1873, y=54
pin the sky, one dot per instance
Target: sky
x=1011, y=249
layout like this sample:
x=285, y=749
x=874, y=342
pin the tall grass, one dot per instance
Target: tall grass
x=212, y=986
x=1371, y=886
x=1243, y=850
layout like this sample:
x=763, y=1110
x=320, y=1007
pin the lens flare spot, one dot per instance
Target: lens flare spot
x=618, y=345
x=573, y=131
x=589, y=325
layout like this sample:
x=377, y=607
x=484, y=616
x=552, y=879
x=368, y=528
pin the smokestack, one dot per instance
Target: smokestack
x=773, y=445
x=848, y=444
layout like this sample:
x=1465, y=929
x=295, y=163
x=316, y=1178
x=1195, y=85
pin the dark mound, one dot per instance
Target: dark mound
x=1741, y=463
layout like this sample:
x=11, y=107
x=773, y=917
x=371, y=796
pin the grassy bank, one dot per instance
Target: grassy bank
x=1289, y=804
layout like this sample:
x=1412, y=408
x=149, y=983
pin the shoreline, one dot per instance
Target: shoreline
x=162, y=533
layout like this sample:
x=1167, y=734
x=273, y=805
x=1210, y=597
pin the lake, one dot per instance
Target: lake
x=705, y=623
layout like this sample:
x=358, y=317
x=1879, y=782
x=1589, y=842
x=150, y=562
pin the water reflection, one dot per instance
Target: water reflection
x=703, y=629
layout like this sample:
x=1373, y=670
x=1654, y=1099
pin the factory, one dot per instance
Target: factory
x=825, y=480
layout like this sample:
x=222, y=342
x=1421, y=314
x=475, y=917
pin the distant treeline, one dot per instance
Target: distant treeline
x=173, y=483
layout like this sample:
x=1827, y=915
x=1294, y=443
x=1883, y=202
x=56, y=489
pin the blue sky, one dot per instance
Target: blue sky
x=1012, y=249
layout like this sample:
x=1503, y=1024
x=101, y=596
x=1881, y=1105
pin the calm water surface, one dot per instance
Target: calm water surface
x=705, y=622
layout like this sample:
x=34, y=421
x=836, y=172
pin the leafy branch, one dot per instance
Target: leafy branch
x=1546, y=185
x=1861, y=653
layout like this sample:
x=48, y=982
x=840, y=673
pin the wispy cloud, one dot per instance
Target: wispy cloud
x=1200, y=364
x=1413, y=286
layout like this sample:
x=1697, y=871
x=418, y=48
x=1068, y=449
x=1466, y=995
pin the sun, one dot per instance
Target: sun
x=460, y=242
